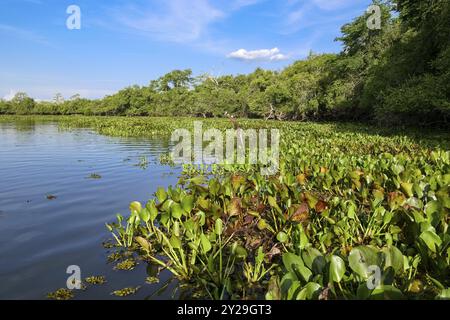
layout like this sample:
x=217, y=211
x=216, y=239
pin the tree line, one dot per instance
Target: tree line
x=399, y=73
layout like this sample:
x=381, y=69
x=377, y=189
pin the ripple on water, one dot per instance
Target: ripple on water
x=44, y=237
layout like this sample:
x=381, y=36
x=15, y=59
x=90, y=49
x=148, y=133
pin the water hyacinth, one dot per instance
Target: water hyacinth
x=347, y=198
x=342, y=203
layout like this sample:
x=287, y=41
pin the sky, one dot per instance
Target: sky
x=125, y=42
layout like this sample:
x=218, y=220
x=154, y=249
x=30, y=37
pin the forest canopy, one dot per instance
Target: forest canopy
x=399, y=73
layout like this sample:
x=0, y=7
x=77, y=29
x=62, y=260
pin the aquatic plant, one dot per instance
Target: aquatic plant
x=127, y=265
x=95, y=280
x=143, y=162
x=347, y=197
x=94, y=176
x=152, y=280
x=343, y=202
x=126, y=291
x=61, y=294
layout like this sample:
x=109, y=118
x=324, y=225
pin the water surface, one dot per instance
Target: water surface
x=40, y=238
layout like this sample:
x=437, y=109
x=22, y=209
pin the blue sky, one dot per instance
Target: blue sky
x=126, y=42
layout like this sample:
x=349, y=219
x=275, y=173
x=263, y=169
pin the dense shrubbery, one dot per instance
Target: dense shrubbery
x=399, y=74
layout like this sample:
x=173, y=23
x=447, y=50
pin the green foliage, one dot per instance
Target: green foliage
x=347, y=198
x=22, y=104
x=61, y=294
x=396, y=75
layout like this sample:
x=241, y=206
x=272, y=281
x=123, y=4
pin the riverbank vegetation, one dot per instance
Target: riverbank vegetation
x=397, y=74
x=347, y=199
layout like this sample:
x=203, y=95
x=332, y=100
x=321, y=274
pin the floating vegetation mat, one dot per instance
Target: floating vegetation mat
x=353, y=213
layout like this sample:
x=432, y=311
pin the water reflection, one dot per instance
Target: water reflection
x=40, y=238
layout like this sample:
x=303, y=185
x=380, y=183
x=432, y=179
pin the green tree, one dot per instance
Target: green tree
x=22, y=103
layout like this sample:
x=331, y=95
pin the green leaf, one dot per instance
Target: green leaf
x=214, y=186
x=304, y=241
x=351, y=210
x=407, y=188
x=176, y=228
x=386, y=293
x=361, y=258
x=135, y=206
x=151, y=207
x=202, y=216
x=161, y=194
x=144, y=243
x=286, y=282
x=309, y=292
x=259, y=259
x=164, y=219
x=144, y=215
x=337, y=269
x=314, y=260
x=432, y=207
x=293, y=289
x=282, y=237
x=206, y=244
x=240, y=252
x=418, y=189
x=363, y=292
x=312, y=200
x=218, y=226
x=295, y=265
x=176, y=210
x=393, y=258
x=444, y=295
x=397, y=169
x=175, y=242
x=187, y=204
x=431, y=239
x=273, y=203
x=198, y=180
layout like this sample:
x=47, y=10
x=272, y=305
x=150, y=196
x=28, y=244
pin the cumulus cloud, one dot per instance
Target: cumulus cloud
x=261, y=54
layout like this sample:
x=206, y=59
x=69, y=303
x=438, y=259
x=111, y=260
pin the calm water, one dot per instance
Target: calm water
x=40, y=238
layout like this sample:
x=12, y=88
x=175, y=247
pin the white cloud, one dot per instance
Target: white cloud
x=175, y=20
x=262, y=54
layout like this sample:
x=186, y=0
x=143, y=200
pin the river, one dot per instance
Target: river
x=57, y=190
